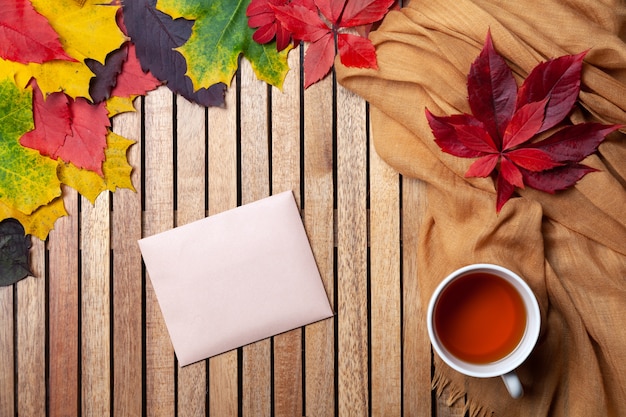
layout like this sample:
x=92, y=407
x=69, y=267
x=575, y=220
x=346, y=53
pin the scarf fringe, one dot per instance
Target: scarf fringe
x=440, y=383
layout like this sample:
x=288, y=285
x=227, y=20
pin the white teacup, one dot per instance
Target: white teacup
x=484, y=321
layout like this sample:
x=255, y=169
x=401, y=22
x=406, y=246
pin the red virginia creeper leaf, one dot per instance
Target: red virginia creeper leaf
x=492, y=91
x=331, y=9
x=483, y=166
x=355, y=51
x=556, y=179
x=524, y=124
x=557, y=79
x=532, y=159
x=576, y=142
x=263, y=17
x=504, y=191
x=363, y=12
x=26, y=36
x=511, y=172
x=318, y=59
x=476, y=138
x=304, y=23
x=446, y=136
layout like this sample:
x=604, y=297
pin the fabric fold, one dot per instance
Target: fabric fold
x=570, y=247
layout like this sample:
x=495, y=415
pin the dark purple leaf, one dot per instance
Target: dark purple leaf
x=14, y=252
x=105, y=78
x=155, y=35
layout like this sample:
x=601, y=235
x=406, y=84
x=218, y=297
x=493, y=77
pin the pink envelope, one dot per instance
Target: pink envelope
x=235, y=278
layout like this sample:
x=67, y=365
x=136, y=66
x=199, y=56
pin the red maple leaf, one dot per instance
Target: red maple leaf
x=323, y=24
x=73, y=130
x=502, y=131
x=26, y=36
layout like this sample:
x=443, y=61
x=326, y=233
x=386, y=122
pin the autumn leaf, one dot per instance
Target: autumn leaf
x=26, y=36
x=156, y=35
x=116, y=170
x=27, y=179
x=106, y=74
x=220, y=34
x=324, y=22
x=132, y=80
x=40, y=222
x=72, y=130
x=86, y=29
x=505, y=122
x=262, y=18
x=14, y=252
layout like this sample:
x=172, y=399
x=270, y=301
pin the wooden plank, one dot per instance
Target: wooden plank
x=63, y=311
x=417, y=395
x=386, y=349
x=352, y=254
x=95, y=311
x=127, y=282
x=255, y=184
x=318, y=220
x=190, y=167
x=288, y=383
x=7, y=359
x=31, y=336
x=159, y=217
x=223, y=196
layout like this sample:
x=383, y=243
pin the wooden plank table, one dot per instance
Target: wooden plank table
x=86, y=337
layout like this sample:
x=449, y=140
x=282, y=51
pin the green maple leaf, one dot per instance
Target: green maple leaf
x=220, y=34
x=27, y=179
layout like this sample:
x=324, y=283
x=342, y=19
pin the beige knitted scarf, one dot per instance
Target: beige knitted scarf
x=570, y=247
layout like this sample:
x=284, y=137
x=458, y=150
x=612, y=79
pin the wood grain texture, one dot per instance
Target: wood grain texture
x=352, y=255
x=31, y=336
x=222, y=188
x=318, y=202
x=95, y=307
x=63, y=311
x=255, y=184
x=87, y=336
x=7, y=361
x=190, y=178
x=385, y=314
x=417, y=357
x=127, y=278
x=285, y=163
x=158, y=217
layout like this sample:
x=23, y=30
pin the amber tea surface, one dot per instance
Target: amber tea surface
x=480, y=318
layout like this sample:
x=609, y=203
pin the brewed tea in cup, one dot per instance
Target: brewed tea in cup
x=483, y=321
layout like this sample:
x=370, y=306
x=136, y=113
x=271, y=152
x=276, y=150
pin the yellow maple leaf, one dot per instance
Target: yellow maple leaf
x=117, y=105
x=41, y=221
x=116, y=171
x=87, y=29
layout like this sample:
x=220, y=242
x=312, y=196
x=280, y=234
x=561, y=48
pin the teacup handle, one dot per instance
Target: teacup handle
x=513, y=384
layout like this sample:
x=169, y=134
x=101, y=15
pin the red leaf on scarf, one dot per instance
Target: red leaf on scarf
x=502, y=131
x=323, y=24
